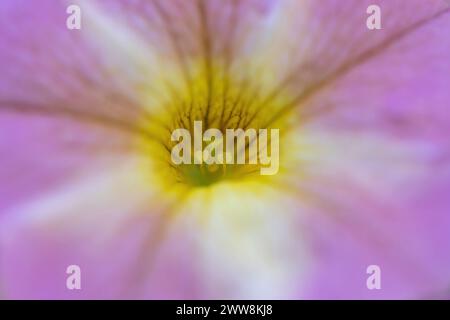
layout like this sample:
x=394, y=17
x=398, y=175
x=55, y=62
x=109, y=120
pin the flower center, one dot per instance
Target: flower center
x=236, y=140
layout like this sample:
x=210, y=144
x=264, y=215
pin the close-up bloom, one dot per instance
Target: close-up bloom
x=357, y=125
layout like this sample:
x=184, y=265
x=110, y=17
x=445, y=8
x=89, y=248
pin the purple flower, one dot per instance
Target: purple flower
x=85, y=133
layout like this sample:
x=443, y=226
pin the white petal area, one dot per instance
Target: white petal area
x=106, y=196
x=370, y=183
x=250, y=241
x=130, y=57
x=271, y=51
x=381, y=163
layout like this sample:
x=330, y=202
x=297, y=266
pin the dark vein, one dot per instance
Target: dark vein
x=37, y=109
x=206, y=46
x=350, y=65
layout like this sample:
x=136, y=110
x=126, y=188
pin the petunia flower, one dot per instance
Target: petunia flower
x=86, y=177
